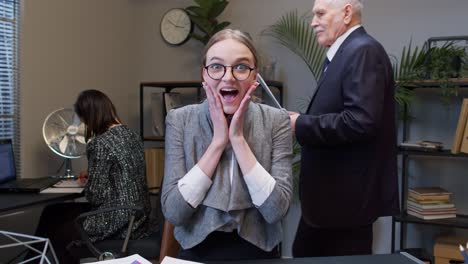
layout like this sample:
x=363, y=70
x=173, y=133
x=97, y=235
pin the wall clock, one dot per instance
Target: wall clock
x=176, y=26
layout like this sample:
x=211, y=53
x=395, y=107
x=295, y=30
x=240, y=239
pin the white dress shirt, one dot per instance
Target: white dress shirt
x=336, y=45
x=195, y=184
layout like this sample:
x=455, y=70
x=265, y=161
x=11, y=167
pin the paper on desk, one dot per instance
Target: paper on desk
x=68, y=184
x=133, y=259
x=62, y=190
x=170, y=260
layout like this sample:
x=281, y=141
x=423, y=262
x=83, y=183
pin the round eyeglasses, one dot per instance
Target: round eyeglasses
x=217, y=71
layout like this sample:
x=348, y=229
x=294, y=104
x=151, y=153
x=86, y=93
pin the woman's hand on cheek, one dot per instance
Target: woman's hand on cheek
x=236, y=129
x=220, y=126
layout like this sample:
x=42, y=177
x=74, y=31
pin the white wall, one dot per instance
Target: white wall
x=70, y=45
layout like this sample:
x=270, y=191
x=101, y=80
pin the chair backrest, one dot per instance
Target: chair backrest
x=169, y=245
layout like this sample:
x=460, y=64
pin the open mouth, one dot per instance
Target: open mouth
x=229, y=94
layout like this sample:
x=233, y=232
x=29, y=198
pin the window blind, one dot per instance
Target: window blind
x=9, y=74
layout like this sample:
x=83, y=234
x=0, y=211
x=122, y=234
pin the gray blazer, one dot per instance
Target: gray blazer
x=189, y=131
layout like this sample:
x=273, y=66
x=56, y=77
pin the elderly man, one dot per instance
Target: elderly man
x=348, y=170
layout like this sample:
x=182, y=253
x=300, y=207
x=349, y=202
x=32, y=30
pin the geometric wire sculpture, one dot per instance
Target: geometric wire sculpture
x=27, y=242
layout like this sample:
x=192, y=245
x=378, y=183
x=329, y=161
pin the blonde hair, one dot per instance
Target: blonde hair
x=237, y=35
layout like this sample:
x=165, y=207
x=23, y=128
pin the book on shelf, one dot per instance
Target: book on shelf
x=442, y=197
x=438, y=205
x=428, y=201
x=422, y=145
x=464, y=144
x=429, y=191
x=461, y=132
x=431, y=217
x=433, y=211
x=429, y=194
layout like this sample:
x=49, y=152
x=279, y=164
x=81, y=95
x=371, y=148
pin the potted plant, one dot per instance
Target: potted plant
x=442, y=65
x=204, y=17
x=294, y=32
x=405, y=74
x=439, y=64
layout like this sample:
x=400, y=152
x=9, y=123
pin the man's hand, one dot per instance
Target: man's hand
x=293, y=116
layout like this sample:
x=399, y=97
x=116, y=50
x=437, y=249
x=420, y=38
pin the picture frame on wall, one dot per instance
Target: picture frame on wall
x=172, y=100
x=157, y=114
x=153, y=113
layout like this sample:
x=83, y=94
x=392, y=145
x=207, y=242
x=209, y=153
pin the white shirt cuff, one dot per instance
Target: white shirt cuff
x=260, y=184
x=194, y=186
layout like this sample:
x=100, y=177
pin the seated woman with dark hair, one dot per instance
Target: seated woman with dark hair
x=115, y=177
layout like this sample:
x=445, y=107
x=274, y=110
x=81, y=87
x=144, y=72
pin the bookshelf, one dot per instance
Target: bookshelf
x=443, y=153
x=461, y=221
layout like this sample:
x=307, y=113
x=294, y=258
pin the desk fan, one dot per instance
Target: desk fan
x=64, y=134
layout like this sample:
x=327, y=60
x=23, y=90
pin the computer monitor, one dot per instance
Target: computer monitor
x=7, y=161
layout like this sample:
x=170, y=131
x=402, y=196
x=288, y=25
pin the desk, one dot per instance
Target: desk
x=395, y=258
x=10, y=205
x=15, y=201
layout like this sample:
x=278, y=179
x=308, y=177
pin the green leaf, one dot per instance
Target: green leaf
x=205, y=3
x=295, y=33
x=404, y=96
x=205, y=39
x=411, y=66
x=221, y=26
x=203, y=24
x=195, y=10
x=204, y=17
x=205, y=6
x=217, y=8
x=197, y=37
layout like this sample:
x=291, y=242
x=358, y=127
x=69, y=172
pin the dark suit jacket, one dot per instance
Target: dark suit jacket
x=348, y=136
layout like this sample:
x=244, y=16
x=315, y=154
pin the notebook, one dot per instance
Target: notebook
x=8, y=180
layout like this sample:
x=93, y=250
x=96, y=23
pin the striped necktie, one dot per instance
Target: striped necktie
x=325, y=65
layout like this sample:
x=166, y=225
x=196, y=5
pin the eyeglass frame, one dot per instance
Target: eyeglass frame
x=225, y=70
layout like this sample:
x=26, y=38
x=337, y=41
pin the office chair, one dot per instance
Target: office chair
x=169, y=245
x=147, y=247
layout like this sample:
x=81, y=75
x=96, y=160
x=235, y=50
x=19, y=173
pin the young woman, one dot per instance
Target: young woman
x=227, y=181
x=116, y=168
x=115, y=177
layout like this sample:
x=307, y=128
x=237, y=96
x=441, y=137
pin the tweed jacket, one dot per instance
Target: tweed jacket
x=116, y=166
x=189, y=131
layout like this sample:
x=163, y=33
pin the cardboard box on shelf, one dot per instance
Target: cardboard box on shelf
x=446, y=249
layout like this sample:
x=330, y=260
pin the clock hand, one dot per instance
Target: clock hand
x=174, y=24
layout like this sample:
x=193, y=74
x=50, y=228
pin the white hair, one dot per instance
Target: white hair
x=357, y=4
